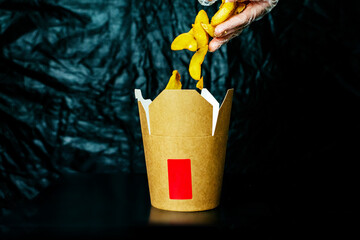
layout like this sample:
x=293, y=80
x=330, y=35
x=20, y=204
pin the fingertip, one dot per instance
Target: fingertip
x=223, y=28
x=214, y=45
x=211, y=46
x=218, y=31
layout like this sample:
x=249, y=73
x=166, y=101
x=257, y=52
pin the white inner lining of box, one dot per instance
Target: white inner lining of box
x=204, y=93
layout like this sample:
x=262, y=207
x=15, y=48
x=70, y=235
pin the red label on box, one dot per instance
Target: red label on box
x=179, y=173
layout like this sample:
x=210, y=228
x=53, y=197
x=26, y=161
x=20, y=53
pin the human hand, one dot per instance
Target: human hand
x=232, y=27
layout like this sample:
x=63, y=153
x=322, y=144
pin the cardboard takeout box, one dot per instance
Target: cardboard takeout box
x=185, y=137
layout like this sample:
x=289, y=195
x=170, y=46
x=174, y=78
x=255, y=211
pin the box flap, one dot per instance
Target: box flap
x=180, y=113
x=184, y=113
x=215, y=104
x=222, y=126
x=144, y=110
x=143, y=123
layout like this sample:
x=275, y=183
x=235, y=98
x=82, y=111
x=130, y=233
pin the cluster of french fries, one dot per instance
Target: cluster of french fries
x=197, y=40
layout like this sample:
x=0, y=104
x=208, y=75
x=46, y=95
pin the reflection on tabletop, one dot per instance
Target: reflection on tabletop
x=163, y=217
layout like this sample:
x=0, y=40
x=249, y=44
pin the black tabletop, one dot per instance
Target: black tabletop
x=94, y=206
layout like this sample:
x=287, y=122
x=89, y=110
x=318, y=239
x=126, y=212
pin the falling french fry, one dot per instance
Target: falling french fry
x=196, y=61
x=174, y=81
x=200, y=83
x=185, y=41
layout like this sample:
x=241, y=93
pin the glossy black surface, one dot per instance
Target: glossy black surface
x=117, y=206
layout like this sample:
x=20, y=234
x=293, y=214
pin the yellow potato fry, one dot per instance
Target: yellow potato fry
x=202, y=38
x=200, y=83
x=202, y=17
x=174, y=81
x=209, y=29
x=196, y=61
x=223, y=13
x=185, y=41
x=222, y=3
x=240, y=7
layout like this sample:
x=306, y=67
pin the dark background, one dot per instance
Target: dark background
x=68, y=70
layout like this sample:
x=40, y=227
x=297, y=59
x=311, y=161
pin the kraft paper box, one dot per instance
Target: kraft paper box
x=185, y=137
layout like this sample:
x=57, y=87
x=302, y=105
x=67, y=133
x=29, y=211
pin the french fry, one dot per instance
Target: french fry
x=222, y=3
x=174, y=81
x=209, y=29
x=200, y=83
x=225, y=11
x=202, y=17
x=201, y=36
x=196, y=61
x=240, y=7
x=185, y=41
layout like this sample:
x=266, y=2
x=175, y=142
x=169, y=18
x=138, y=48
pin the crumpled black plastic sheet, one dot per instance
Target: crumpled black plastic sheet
x=68, y=70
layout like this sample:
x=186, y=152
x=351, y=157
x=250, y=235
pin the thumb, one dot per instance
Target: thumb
x=253, y=11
